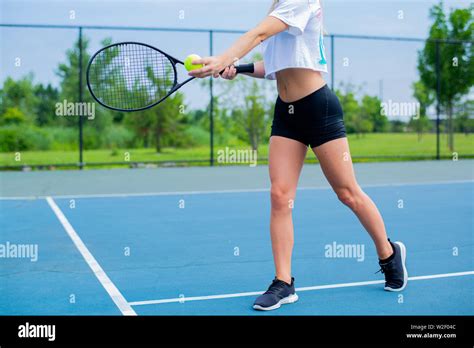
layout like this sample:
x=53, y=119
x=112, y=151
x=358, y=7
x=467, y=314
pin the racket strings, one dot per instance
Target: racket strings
x=131, y=76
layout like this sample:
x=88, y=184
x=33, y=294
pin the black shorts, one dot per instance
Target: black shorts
x=312, y=120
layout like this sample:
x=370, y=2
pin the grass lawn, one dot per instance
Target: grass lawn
x=386, y=144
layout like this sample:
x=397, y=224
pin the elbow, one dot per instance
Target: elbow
x=259, y=36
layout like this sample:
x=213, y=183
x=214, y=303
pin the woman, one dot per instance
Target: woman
x=307, y=114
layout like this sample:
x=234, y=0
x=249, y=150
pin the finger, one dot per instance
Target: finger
x=231, y=74
x=225, y=74
x=201, y=72
x=200, y=76
x=203, y=61
x=195, y=74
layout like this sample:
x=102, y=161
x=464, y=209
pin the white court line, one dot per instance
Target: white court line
x=307, y=288
x=204, y=192
x=110, y=287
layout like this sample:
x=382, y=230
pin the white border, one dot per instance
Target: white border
x=204, y=192
x=307, y=288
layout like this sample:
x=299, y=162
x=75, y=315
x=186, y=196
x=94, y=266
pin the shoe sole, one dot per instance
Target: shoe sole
x=289, y=299
x=403, y=250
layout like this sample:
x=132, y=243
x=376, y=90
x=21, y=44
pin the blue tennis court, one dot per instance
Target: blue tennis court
x=182, y=241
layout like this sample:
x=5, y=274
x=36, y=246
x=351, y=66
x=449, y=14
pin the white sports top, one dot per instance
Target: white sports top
x=302, y=45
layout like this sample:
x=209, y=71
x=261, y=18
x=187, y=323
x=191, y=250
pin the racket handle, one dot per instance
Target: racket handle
x=244, y=68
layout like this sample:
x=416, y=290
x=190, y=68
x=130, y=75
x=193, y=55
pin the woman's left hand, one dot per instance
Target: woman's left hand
x=212, y=67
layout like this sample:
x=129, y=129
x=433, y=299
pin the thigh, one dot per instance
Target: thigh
x=286, y=158
x=336, y=163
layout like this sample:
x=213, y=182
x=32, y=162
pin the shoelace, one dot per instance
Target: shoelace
x=276, y=285
x=383, y=269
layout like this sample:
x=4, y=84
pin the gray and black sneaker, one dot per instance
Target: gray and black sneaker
x=277, y=294
x=394, y=268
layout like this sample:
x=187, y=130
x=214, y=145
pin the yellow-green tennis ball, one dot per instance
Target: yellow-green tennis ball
x=188, y=62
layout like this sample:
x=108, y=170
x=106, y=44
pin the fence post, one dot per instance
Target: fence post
x=333, y=84
x=211, y=103
x=81, y=163
x=438, y=96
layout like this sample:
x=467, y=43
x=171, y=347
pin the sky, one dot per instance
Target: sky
x=383, y=68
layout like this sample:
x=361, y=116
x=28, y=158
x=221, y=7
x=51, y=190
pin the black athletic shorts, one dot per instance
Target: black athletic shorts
x=312, y=120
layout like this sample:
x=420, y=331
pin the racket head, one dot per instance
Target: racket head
x=131, y=76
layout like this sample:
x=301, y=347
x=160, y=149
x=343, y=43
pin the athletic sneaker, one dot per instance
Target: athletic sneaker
x=277, y=294
x=394, y=268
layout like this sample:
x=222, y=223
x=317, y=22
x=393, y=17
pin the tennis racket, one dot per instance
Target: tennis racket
x=132, y=76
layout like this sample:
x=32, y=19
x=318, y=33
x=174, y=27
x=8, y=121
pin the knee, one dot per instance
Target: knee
x=281, y=197
x=350, y=196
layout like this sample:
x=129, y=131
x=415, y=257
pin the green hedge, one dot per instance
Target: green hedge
x=20, y=138
x=23, y=138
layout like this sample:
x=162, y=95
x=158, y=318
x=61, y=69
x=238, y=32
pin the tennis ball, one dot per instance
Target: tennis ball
x=188, y=62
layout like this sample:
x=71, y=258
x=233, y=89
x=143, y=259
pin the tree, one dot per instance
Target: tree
x=19, y=94
x=162, y=125
x=47, y=97
x=251, y=117
x=241, y=110
x=464, y=121
x=168, y=122
x=13, y=116
x=35, y=102
x=68, y=72
x=355, y=119
x=141, y=124
x=222, y=120
x=371, y=109
x=425, y=98
x=397, y=126
x=456, y=67
x=169, y=117
x=350, y=107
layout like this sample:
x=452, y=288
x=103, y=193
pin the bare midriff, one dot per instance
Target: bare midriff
x=296, y=83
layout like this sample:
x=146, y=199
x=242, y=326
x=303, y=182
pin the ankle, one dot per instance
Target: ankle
x=385, y=251
x=285, y=278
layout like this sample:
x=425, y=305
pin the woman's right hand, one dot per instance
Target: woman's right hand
x=229, y=73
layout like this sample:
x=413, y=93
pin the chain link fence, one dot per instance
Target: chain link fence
x=388, y=113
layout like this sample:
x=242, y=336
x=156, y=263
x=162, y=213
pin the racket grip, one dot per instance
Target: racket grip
x=244, y=68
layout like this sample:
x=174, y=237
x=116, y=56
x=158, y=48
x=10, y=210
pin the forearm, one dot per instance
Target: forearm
x=213, y=66
x=242, y=46
x=268, y=27
x=259, y=70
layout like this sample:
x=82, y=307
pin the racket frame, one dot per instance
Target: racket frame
x=173, y=61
